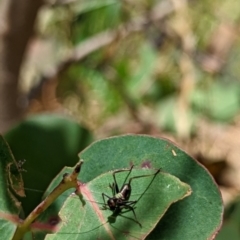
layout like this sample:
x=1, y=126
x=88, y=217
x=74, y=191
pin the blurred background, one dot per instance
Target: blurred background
x=73, y=71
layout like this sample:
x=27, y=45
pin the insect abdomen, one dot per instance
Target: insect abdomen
x=125, y=191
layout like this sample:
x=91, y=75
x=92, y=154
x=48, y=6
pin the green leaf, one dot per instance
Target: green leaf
x=220, y=101
x=197, y=217
x=139, y=81
x=203, y=208
x=10, y=183
x=88, y=220
x=47, y=143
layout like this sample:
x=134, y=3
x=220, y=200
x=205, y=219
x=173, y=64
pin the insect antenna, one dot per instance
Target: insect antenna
x=69, y=193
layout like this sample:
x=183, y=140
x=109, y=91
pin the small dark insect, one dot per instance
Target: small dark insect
x=120, y=198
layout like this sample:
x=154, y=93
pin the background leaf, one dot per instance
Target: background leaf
x=231, y=222
x=47, y=143
x=217, y=101
x=9, y=209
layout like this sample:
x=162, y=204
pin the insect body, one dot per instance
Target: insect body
x=120, y=198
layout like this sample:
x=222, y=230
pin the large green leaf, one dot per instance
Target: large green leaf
x=197, y=217
x=89, y=221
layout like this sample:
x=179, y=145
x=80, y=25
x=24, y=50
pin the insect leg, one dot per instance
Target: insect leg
x=103, y=196
x=112, y=186
x=118, y=171
x=132, y=209
x=126, y=204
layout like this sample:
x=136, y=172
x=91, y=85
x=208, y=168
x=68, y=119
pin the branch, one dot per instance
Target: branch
x=68, y=181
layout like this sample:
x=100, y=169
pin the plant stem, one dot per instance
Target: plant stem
x=68, y=181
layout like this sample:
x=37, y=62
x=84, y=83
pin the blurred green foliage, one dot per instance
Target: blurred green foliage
x=231, y=222
x=143, y=69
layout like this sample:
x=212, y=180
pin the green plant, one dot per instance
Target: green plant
x=198, y=216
